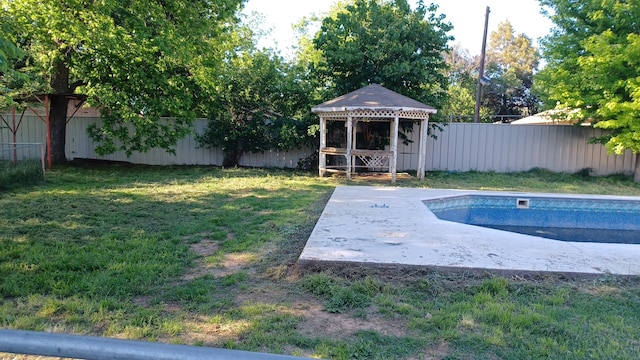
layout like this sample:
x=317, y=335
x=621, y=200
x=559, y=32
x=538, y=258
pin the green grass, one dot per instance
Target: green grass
x=207, y=256
x=21, y=173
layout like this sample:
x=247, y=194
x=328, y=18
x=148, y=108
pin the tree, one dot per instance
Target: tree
x=10, y=56
x=261, y=105
x=462, y=68
x=9, y=53
x=511, y=62
x=138, y=61
x=593, y=65
x=384, y=42
x=462, y=72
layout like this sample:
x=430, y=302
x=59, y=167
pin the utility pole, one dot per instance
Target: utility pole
x=476, y=116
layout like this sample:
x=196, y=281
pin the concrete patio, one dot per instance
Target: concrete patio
x=387, y=226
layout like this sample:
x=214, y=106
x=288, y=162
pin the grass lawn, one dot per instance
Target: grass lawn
x=207, y=256
x=22, y=172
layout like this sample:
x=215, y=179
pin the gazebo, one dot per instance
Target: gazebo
x=357, y=109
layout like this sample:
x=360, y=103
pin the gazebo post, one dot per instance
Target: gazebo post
x=354, y=141
x=394, y=146
x=422, y=152
x=349, y=145
x=322, y=156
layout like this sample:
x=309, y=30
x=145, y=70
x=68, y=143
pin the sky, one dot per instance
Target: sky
x=466, y=16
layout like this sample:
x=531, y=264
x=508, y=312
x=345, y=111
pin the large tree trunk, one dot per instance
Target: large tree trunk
x=232, y=158
x=58, y=128
x=58, y=110
x=636, y=170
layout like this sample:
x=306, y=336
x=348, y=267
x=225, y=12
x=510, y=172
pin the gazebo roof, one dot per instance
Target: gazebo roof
x=373, y=97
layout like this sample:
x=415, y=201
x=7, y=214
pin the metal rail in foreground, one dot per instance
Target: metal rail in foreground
x=98, y=348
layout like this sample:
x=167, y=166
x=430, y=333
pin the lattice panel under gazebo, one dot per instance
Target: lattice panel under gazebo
x=374, y=161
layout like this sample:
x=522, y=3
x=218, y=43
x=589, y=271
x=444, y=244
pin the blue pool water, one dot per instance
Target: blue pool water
x=567, y=219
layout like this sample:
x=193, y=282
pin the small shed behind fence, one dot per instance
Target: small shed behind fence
x=364, y=113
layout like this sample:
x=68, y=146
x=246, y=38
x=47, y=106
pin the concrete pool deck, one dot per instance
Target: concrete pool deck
x=392, y=226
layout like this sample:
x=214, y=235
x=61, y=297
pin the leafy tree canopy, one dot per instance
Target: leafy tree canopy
x=462, y=68
x=262, y=104
x=593, y=65
x=137, y=61
x=385, y=42
x=462, y=72
x=9, y=53
x=511, y=62
x=512, y=52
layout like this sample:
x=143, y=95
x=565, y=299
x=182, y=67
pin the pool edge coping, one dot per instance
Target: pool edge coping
x=320, y=250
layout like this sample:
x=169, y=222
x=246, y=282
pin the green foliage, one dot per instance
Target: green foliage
x=618, y=103
x=511, y=51
x=462, y=68
x=8, y=51
x=340, y=297
x=460, y=102
x=10, y=54
x=593, y=65
x=262, y=104
x=495, y=286
x=137, y=61
x=194, y=293
x=511, y=62
x=383, y=42
x=462, y=72
x=370, y=345
x=235, y=278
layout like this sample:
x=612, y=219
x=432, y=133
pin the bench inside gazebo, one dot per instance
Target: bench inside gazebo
x=366, y=113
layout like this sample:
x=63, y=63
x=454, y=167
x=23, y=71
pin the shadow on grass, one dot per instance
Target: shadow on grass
x=113, y=234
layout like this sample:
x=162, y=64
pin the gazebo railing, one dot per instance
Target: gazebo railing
x=370, y=159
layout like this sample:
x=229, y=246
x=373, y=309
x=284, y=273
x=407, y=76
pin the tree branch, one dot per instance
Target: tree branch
x=73, y=86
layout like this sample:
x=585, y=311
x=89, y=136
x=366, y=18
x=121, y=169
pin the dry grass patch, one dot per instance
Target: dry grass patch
x=342, y=325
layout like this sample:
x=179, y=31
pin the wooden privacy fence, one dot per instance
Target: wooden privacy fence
x=459, y=147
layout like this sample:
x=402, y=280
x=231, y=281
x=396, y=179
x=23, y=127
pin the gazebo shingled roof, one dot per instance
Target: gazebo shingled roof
x=368, y=103
x=373, y=96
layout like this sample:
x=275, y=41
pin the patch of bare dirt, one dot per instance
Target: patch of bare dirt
x=204, y=330
x=318, y=321
x=205, y=247
x=337, y=325
x=232, y=263
x=143, y=301
x=229, y=264
x=438, y=352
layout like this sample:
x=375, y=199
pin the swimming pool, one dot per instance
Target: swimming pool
x=388, y=226
x=558, y=218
